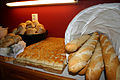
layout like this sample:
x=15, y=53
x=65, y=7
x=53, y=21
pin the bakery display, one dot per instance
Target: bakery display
x=29, y=28
x=112, y=64
x=48, y=54
x=76, y=43
x=81, y=57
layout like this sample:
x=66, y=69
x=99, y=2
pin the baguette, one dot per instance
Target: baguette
x=96, y=65
x=83, y=71
x=110, y=58
x=76, y=43
x=118, y=73
x=81, y=57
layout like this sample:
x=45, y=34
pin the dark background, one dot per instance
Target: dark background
x=55, y=18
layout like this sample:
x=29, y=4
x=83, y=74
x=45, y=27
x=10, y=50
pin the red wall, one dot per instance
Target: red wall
x=54, y=18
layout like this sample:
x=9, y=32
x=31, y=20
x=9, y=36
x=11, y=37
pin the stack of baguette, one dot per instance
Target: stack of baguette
x=88, y=55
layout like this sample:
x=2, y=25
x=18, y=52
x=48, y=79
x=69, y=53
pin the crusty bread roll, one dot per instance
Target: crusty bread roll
x=15, y=31
x=40, y=28
x=96, y=65
x=21, y=28
x=9, y=40
x=29, y=24
x=3, y=32
x=110, y=58
x=9, y=36
x=35, y=22
x=22, y=24
x=17, y=38
x=31, y=31
x=7, y=43
x=81, y=57
x=76, y=43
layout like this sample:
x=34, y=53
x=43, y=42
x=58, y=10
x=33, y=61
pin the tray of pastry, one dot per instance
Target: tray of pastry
x=48, y=54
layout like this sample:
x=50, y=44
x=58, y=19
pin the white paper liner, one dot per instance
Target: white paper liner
x=64, y=74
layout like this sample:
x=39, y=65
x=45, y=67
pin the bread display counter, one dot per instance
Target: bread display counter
x=36, y=60
x=47, y=60
x=86, y=53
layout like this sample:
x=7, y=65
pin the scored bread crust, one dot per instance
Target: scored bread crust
x=110, y=58
x=81, y=57
x=76, y=43
x=83, y=71
x=48, y=54
x=96, y=65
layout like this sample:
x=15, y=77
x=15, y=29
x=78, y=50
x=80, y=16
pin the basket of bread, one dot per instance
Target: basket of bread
x=31, y=31
x=10, y=45
x=92, y=43
x=90, y=55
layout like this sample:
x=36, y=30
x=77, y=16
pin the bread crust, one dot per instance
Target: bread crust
x=48, y=54
x=81, y=57
x=96, y=65
x=76, y=43
x=110, y=58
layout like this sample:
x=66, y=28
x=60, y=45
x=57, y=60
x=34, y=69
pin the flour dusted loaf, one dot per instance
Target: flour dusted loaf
x=9, y=40
x=48, y=54
x=76, y=43
x=81, y=57
x=96, y=65
x=83, y=71
x=112, y=64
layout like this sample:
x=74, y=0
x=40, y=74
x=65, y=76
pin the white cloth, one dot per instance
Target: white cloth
x=104, y=18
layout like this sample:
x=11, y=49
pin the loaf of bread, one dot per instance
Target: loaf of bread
x=31, y=31
x=118, y=73
x=15, y=31
x=96, y=65
x=29, y=24
x=110, y=59
x=40, y=28
x=3, y=32
x=9, y=40
x=81, y=57
x=70, y=56
x=76, y=43
x=7, y=43
x=21, y=28
x=83, y=71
